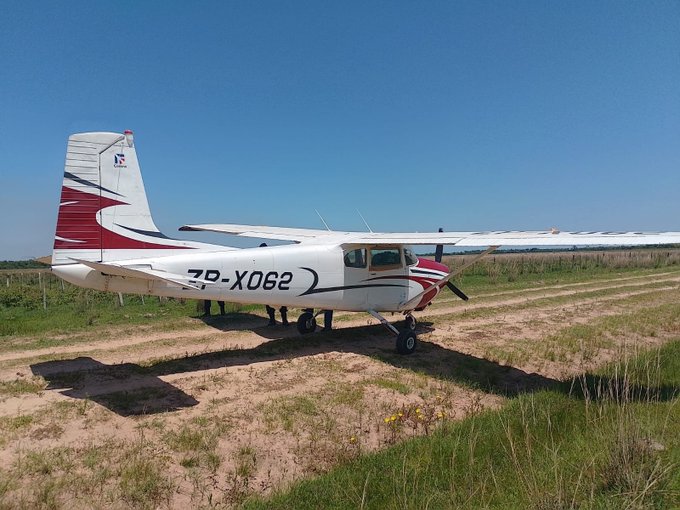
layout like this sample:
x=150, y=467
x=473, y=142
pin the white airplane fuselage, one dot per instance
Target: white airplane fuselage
x=304, y=276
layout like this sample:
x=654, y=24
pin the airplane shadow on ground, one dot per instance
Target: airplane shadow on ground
x=241, y=321
x=245, y=321
x=123, y=388
x=132, y=389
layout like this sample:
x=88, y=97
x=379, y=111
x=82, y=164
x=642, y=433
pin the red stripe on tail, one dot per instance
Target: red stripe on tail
x=78, y=226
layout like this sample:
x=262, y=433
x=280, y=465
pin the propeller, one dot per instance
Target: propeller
x=438, y=254
x=457, y=291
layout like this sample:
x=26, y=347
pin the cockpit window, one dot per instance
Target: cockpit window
x=385, y=258
x=356, y=258
x=411, y=259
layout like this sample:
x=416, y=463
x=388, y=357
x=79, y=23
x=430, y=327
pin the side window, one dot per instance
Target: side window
x=356, y=258
x=385, y=258
x=411, y=259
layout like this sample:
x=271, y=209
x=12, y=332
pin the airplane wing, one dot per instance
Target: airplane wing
x=526, y=238
x=298, y=235
x=478, y=239
x=145, y=273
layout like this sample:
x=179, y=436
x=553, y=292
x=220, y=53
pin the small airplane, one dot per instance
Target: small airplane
x=107, y=240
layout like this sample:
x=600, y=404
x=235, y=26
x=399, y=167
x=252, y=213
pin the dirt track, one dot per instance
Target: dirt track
x=288, y=406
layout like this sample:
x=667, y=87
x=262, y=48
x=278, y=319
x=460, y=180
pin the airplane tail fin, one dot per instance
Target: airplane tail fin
x=103, y=212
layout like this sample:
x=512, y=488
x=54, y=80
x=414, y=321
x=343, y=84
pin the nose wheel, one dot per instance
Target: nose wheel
x=406, y=342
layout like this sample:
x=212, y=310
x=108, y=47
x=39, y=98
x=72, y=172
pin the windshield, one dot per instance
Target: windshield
x=411, y=259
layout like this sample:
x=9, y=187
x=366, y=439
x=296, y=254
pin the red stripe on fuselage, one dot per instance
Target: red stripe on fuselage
x=429, y=296
x=434, y=266
x=431, y=264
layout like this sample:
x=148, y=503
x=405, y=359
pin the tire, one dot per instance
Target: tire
x=406, y=342
x=306, y=323
x=410, y=322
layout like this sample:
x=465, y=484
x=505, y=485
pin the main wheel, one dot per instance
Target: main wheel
x=410, y=322
x=406, y=342
x=306, y=323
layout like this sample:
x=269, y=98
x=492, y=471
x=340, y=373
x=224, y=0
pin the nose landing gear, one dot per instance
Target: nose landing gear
x=406, y=342
x=406, y=339
x=410, y=322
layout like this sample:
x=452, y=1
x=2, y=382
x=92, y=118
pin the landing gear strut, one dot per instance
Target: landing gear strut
x=406, y=339
x=410, y=322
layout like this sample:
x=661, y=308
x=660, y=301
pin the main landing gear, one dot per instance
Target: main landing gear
x=406, y=338
x=306, y=323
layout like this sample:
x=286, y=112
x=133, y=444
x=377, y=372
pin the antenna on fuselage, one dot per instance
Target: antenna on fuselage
x=364, y=220
x=323, y=221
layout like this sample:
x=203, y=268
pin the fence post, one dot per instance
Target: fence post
x=44, y=291
x=120, y=298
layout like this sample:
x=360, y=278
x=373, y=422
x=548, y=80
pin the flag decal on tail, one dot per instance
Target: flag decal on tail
x=119, y=161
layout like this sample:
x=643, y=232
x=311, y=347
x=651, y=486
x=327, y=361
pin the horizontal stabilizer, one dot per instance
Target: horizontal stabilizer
x=144, y=272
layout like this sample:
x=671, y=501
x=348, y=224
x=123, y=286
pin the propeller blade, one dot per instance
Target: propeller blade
x=457, y=291
x=439, y=252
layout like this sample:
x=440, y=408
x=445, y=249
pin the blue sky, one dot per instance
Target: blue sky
x=465, y=115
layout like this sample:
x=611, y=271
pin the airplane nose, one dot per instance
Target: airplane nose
x=431, y=264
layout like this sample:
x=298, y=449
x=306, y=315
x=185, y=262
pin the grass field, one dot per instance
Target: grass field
x=604, y=440
x=555, y=386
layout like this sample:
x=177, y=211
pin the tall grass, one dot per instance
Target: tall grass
x=606, y=440
x=36, y=301
x=511, y=266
